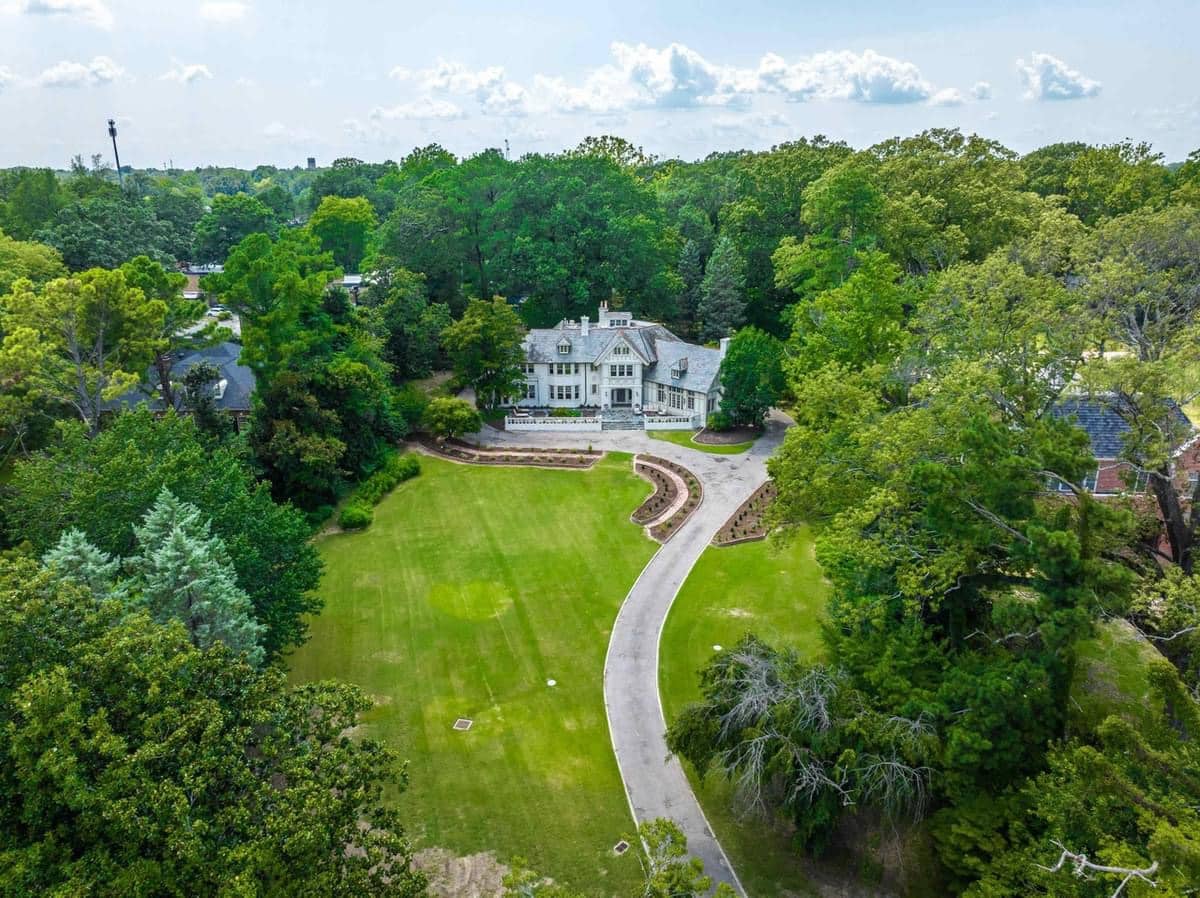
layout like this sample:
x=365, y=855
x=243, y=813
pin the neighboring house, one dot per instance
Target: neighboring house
x=233, y=392
x=1106, y=431
x=620, y=363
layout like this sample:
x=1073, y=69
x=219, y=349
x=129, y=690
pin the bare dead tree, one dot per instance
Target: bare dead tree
x=1084, y=868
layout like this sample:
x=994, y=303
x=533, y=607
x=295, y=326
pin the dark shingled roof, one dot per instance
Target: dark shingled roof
x=1104, y=427
x=239, y=380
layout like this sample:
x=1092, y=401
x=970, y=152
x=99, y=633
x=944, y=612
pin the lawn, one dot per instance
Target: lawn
x=780, y=597
x=472, y=589
x=684, y=438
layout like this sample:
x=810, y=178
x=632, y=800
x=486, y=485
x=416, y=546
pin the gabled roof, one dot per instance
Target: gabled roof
x=1105, y=428
x=703, y=366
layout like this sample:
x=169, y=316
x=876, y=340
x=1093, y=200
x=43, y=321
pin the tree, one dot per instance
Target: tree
x=104, y=486
x=30, y=201
x=229, y=221
x=179, y=331
x=485, y=349
x=201, y=403
x=691, y=273
x=343, y=226
x=81, y=340
x=411, y=327
x=722, y=304
x=751, y=377
x=135, y=763
x=74, y=558
x=1116, y=179
x=104, y=231
x=278, y=200
x=35, y=261
x=182, y=572
x=447, y=417
x=181, y=207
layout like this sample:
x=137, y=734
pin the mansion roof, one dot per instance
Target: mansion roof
x=659, y=350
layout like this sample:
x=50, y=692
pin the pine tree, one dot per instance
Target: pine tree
x=722, y=292
x=75, y=558
x=183, y=572
x=691, y=270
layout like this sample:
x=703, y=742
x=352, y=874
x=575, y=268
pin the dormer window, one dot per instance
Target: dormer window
x=621, y=350
x=618, y=322
x=564, y=347
x=219, y=389
x=679, y=369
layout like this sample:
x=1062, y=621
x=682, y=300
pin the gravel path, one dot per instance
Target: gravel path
x=655, y=783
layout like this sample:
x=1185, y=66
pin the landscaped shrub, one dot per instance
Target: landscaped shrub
x=718, y=421
x=355, y=516
x=566, y=413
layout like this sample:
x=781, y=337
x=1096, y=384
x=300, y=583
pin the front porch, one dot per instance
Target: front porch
x=593, y=419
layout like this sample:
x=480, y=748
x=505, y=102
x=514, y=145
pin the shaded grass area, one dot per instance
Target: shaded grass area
x=684, y=438
x=780, y=597
x=473, y=587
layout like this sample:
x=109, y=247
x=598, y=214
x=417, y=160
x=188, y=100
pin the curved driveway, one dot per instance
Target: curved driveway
x=654, y=779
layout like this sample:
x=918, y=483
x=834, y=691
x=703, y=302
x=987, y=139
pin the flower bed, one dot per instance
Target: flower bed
x=660, y=500
x=747, y=523
x=664, y=530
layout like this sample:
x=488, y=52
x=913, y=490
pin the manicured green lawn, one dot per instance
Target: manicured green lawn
x=684, y=438
x=780, y=597
x=474, y=587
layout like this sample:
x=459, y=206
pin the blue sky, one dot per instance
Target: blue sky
x=241, y=82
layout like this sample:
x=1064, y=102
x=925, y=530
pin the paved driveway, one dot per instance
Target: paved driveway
x=654, y=780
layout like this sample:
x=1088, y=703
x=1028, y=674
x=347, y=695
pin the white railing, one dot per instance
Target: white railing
x=669, y=422
x=557, y=425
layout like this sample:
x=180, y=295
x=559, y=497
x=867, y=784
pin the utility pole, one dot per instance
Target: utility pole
x=112, y=132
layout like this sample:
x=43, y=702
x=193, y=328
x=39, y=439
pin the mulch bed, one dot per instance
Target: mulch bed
x=668, y=528
x=727, y=437
x=746, y=524
x=660, y=500
x=532, y=457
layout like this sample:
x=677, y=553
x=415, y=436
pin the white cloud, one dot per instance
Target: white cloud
x=186, y=73
x=1046, y=77
x=866, y=77
x=101, y=70
x=495, y=93
x=948, y=96
x=981, y=91
x=420, y=108
x=7, y=77
x=223, y=12
x=89, y=12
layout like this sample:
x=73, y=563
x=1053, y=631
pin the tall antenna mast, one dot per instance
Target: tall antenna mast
x=112, y=132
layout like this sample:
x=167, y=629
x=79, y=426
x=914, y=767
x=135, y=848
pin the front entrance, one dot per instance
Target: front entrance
x=622, y=396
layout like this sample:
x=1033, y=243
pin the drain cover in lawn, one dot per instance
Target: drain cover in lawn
x=621, y=847
x=463, y=723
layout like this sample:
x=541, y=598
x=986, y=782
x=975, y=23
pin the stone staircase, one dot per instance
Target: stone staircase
x=620, y=419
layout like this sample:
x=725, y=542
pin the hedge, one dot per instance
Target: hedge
x=356, y=513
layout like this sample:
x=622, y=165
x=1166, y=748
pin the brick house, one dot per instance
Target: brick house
x=1106, y=431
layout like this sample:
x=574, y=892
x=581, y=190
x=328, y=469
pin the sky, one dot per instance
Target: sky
x=244, y=82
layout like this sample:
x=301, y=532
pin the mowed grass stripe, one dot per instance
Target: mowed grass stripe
x=473, y=587
x=778, y=595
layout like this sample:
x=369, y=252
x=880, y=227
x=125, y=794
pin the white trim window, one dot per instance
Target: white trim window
x=620, y=370
x=1090, y=480
x=530, y=391
x=622, y=349
x=562, y=368
x=564, y=347
x=527, y=368
x=564, y=392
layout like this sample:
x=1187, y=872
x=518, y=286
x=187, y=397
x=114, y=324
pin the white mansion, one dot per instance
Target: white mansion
x=620, y=363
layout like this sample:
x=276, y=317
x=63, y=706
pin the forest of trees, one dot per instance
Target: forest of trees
x=920, y=307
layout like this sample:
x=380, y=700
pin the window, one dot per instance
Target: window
x=594, y=388
x=678, y=399
x=1089, y=480
x=691, y=401
x=618, y=322
x=620, y=370
x=562, y=368
x=527, y=368
x=620, y=350
x=1141, y=483
x=662, y=393
x=564, y=392
x=1193, y=479
x=564, y=348
x=530, y=391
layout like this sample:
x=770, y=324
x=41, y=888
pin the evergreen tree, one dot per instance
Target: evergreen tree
x=691, y=270
x=722, y=292
x=75, y=558
x=183, y=572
